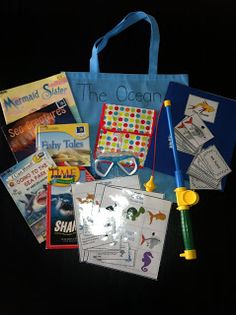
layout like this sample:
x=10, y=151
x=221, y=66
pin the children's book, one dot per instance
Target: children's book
x=26, y=182
x=204, y=125
x=61, y=227
x=128, y=230
x=21, y=133
x=68, y=144
x=22, y=100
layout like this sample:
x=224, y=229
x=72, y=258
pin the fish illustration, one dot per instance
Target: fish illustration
x=88, y=199
x=203, y=107
x=195, y=130
x=146, y=260
x=157, y=216
x=133, y=213
x=150, y=241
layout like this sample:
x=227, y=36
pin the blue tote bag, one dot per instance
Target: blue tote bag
x=92, y=89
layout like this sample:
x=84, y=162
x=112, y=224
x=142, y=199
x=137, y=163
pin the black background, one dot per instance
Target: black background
x=42, y=38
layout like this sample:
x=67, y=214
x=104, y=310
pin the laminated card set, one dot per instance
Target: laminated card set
x=121, y=228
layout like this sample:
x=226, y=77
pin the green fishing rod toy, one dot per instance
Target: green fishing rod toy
x=184, y=198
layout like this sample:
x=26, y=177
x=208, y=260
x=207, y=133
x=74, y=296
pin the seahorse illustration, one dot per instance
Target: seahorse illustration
x=146, y=260
x=156, y=216
x=133, y=213
x=204, y=107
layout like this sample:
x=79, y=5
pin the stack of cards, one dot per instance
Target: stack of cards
x=208, y=166
x=121, y=228
x=191, y=133
x=207, y=169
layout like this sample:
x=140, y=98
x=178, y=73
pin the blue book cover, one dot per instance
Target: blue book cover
x=26, y=182
x=208, y=120
x=21, y=133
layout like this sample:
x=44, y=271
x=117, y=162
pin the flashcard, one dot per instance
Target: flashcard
x=205, y=108
x=208, y=167
x=198, y=129
x=186, y=135
x=193, y=170
x=112, y=254
x=141, y=221
x=100, y=188
x=215, y=162
x=88, y=241
x=196, y=183
x=129, y=262
x=183, y=145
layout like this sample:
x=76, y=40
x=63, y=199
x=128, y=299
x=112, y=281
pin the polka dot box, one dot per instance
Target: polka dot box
x=125, y=129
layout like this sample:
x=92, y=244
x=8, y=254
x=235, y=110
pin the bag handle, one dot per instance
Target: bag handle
x=129, y=20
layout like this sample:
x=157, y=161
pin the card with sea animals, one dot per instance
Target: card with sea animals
x=139, y=225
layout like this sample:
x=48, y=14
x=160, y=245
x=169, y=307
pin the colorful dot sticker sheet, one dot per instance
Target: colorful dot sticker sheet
x=125, y=129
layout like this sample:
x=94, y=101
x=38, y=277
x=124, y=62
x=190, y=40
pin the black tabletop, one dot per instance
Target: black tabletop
x=40, y=39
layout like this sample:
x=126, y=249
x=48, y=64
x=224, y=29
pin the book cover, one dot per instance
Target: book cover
x=205, y=144
x=68, y=144
x=22, y=100
x=20, y=134
x=26, y=182
x=61, y=226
